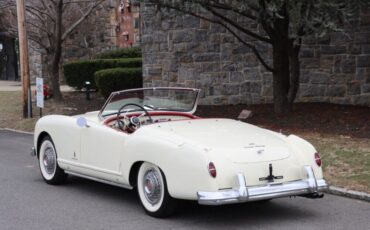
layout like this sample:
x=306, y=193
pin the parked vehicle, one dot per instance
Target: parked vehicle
x=149, y=139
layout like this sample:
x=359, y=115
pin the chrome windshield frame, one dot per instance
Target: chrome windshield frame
x=101, y=117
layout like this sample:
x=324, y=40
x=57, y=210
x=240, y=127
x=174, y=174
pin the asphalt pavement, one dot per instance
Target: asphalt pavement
x=26, y=202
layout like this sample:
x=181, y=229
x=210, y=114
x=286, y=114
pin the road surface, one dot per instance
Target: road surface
x=26, y=202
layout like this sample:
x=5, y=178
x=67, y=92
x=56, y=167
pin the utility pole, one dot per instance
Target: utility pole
x=25, y=69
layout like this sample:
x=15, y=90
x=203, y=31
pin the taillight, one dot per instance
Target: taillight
x=318, y=159
x=212, y=169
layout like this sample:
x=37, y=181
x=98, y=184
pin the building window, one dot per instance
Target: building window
x=136, y=23
x=126, y=37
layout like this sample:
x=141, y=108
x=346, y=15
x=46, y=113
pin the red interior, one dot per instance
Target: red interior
x=180, y=114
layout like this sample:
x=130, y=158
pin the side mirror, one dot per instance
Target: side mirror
x=82, y=122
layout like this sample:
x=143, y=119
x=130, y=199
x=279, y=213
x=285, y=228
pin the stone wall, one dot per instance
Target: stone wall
x=181, y=50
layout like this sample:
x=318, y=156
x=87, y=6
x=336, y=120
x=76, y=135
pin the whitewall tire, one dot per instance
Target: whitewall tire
x=48, y=163
x=153, y=193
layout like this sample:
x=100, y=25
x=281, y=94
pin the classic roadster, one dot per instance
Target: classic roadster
x=150, y=140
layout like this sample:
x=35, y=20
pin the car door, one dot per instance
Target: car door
x=101, y=149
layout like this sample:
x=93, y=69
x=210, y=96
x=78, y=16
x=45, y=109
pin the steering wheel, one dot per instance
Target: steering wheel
x=133, y=123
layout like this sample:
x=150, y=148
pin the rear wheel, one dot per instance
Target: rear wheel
x=48, y=163
x=153, y=193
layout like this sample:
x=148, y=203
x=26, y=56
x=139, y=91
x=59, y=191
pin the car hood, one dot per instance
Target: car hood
x=238, y=140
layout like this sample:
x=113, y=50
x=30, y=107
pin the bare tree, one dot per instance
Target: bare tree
x=49, y=23
x=281, y=24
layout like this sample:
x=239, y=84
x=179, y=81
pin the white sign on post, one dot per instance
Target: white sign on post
x=40, y=92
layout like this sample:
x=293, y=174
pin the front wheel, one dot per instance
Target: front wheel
x=48, y=163
x=153, y=193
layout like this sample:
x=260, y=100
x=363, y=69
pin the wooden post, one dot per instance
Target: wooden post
x=25, y=70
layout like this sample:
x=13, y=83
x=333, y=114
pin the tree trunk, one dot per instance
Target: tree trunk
x=281, y=78
x=294, y=71
x=57, y=54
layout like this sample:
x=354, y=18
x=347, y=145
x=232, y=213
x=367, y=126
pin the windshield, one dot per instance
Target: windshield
x=152, y=99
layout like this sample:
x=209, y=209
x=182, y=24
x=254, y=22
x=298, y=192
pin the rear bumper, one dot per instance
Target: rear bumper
x=307, y=186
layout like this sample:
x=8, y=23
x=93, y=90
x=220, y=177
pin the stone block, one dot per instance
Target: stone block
x=179, y=36
x=241, y=50
x=325, y=40
x=228, y=66
x=190, y=22
x=310, y=63
x=207, y=57
x=307, y=52
x=170, y=65
x=245, y=88
x=267, y=91
x=200, y=36
x=326, y=62
x=255, y=87
x=336, y=91
x=365, y=88
x=205, y=67
x=365, y=20
x=329, y=49
x=219, y=100
x=337, y=64
x=354, y=88
x=236, y=77
x=186, y=74
x=349, y=64
x=184, y=57
x=340, y=100
x=354, y=49
x=319, y=78
x=339, y=38
x=227, y=38
x=307, y=90
x=363, y=100
x=155, y=70
x=362, y=38
x=234, y=100
x=365, y=49
x=252, y=74
x=159, y=37
x=363, y=61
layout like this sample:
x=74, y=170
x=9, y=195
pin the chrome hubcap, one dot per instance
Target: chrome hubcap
x=49, y=160
x=152, y=186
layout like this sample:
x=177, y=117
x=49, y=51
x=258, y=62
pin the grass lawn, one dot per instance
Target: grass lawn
x=346, y=157
x=346, y=160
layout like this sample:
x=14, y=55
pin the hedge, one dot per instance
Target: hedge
x=76, y=73
x=110, y=80
x=121, y=53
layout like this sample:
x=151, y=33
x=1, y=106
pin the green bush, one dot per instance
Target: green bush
x=76, y=73
x=121, y=53
x=110, y=80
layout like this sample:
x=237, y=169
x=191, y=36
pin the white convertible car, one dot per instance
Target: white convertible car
x=150, y=140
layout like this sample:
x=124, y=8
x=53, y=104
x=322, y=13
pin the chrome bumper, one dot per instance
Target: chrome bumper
x=269, y=191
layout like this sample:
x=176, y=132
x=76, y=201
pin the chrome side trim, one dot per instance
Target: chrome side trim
x=99, y=180
x=272, y=190
x=80, y=165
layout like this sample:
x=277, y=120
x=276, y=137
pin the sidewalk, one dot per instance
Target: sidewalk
x=17, y=86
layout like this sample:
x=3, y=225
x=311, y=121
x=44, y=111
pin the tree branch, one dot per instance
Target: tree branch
x=231, y=22
x=81, y=19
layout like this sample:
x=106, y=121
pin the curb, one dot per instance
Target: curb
x=17, y=131
x=349, y=193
